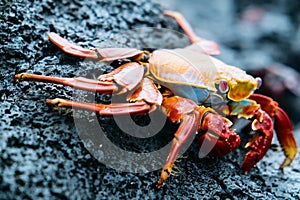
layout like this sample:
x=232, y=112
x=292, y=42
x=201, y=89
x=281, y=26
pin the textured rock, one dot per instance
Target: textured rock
x=42, y=155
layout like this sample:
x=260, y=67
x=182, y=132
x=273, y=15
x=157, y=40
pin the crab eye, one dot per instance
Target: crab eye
x=223, y=86
x=259, y=82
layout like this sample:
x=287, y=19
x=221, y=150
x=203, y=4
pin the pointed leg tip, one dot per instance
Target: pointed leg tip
x=159, y=185
x=21, y=77
x=54, y=37
x=56, y=101
x=209, y=47
x=52, y=34
x=287, y=161
x=245, y=169
x=51, y=101
x=17, y=77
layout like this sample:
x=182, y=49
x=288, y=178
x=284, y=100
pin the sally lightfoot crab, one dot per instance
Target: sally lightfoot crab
x=164, y=78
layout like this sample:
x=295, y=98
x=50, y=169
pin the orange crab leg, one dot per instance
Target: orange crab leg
x=178, y=109
x=103, y=109
x=105, y=54
x=284, y=131
x=128, y=76
x=71, y=48
x=193, y=118
x=144, y=99
x=282, y=125
x=147, y=92
x=184, y=132
x=79, y=82
x=209, y=47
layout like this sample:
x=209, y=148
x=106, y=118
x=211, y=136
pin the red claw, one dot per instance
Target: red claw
x=282, y=125
x=261, y=141
x=219, y=139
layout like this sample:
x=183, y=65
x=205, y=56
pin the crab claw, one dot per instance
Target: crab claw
x=261, y=141
x=218, y=139
x=282, y=125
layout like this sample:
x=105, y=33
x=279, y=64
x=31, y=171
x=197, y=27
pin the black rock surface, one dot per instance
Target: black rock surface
x=41, y=154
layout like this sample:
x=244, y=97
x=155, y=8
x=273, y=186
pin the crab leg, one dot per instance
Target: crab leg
x=71, y=48
x=128, y=76
x=105, y=54
x=79, y=82
x=103, y=109
x=144, y=99
x=282, y=125
x=209, y=47
x=217, y=138
x=178, y=109
x=193, y=118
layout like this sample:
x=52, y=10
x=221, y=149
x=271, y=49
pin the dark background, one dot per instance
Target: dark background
x=42, y=155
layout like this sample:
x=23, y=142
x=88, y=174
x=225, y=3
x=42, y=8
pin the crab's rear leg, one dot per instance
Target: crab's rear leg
x=77, y=82
x=103, y=109
x=124, y=78
x=101, y=54
x=144, y=99
x=207, y=46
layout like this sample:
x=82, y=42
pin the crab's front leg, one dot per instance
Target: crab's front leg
x=193, y=119
x=120, y=80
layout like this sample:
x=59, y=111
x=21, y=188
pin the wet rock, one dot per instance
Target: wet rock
x=41, y=154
